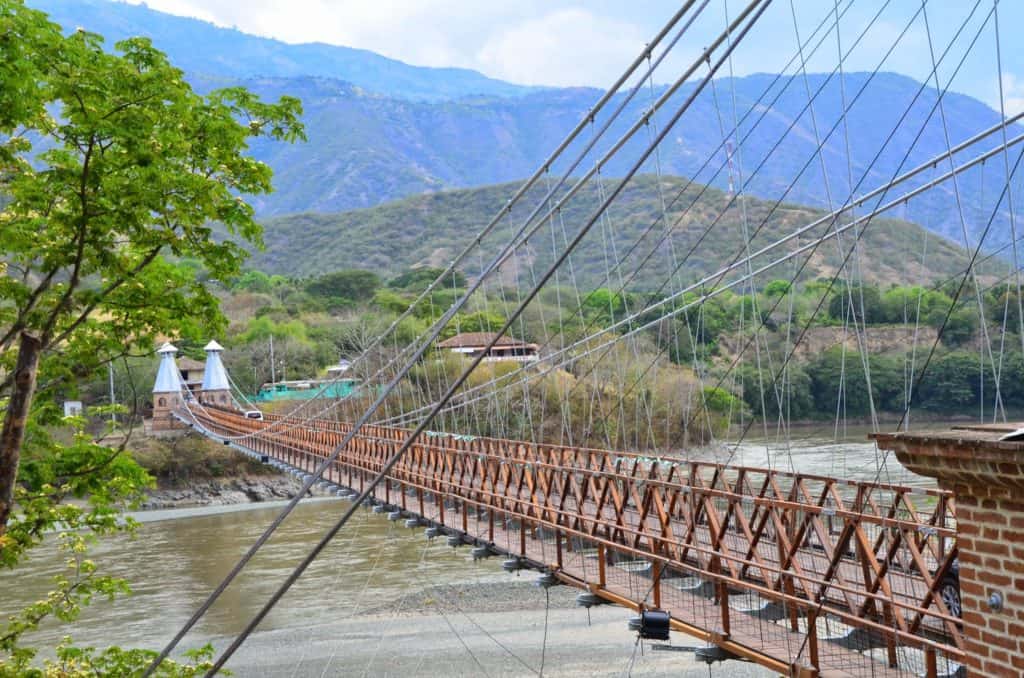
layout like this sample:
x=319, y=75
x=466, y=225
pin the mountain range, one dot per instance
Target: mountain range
x=381, y=130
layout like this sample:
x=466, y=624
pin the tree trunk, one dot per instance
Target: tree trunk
x=13, y=433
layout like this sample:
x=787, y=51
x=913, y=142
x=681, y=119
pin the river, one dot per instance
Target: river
x=366, y=606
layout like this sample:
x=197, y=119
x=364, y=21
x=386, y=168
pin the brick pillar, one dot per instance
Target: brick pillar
x=163, y=404
x=986, y=477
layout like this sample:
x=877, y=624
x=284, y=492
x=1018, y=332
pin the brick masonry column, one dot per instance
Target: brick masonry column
x=986, y=477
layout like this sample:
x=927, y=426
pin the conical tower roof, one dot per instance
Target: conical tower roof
x=215, y=377
x=168, y=378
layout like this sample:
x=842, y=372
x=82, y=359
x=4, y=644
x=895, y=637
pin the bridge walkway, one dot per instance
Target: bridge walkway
x=803, y=574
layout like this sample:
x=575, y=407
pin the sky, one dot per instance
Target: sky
x=588, y=42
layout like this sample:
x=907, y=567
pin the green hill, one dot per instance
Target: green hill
x=433, y=228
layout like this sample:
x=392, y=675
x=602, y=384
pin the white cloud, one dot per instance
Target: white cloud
x=524, y=42
x=1013, y=94
x=589, y=42
x=565, y=47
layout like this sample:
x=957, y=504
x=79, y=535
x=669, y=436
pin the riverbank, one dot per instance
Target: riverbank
x=192, y=471
x=227, y=491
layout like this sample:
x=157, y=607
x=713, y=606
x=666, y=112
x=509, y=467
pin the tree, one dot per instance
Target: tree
x=417, y=279
x=866, y=303
x=111, y=170
x=350, y=285
x=254, y=281
x=132, y=168
x=777, y=288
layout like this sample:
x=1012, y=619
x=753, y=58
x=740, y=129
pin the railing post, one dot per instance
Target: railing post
x=656, y=583
x=890, y=640
x=723, y=600
x=601, y=566
x=812, y=637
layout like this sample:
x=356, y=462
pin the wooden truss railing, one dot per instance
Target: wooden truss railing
x=691, y=537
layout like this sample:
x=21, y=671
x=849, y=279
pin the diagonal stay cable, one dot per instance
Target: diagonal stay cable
x=720, y=289
x=757, y=106
x=739, y=260
x=750, y=15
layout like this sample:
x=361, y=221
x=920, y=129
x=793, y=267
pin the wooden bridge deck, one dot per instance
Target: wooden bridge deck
x=764, y=564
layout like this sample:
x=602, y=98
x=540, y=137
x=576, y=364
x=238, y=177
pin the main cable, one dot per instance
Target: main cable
x=754, y=10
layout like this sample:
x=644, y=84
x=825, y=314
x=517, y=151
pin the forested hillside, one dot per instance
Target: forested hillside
x=431, y=229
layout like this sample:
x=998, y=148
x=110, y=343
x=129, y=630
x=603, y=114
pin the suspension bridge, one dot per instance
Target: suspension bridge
x=570, y=463
x=800, y=573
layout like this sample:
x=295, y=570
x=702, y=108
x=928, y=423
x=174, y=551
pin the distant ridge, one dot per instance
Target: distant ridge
x=431, y=229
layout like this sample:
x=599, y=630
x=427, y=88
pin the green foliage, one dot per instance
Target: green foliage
x=112, y=170
x=603, y=306
x=417, y=279
x=838, y=381
x=351, y=286
x=777, y=288
x=952, y=383
x=254, y=281
x=718, y=400
x=960, y=326
x=480, y=321
x=104, y=482
x=390, y=301
x=858, y=303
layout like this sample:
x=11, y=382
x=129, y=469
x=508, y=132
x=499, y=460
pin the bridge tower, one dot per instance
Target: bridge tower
x=166, y=391
x=983, y=466
x=216, y=389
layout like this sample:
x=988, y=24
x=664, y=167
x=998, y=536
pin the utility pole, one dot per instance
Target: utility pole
x=273, y=371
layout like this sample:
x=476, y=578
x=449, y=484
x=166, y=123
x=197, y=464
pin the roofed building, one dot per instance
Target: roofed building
x=472, y=344
x=192, y=373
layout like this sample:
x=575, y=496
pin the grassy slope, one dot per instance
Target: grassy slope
x=432, y=228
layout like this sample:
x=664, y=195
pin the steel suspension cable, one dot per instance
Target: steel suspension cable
x=747, y=19
x=754, y=5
